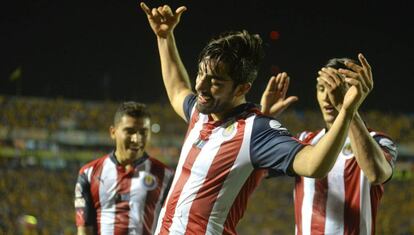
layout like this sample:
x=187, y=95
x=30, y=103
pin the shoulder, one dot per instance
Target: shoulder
x=264, y=124
x=158, y=163
x=307, y=136
x=383, y=140
x=93, y=164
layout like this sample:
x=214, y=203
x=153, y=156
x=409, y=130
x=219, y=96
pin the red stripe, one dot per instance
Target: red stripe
x=175, y=195
x=376, y=192
x=352, y=197
x=299, y=188
x=319, y=206
x=122, y=206
x=95, y=180
x=152, y=197
x=240, y=203
x=219, y=170
x=193, y=121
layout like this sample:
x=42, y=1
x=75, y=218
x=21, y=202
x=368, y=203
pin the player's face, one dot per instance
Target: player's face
x=216, y=93
x=131, y=136
x=329, y=112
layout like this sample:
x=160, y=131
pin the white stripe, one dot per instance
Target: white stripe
x=308, y=193
x=138, y=195
x=167, y=177
x=334, y=220
x=365, y=206
x=197, y=177
x=191, y=138
x=240, y=171
x=88, y=173
x=107, y=191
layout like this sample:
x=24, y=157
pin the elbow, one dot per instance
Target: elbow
x=318, y=174
x=380, y=177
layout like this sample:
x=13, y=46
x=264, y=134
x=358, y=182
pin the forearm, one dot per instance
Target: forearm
x=368, y=153
x=316, y=161
x=175, y=76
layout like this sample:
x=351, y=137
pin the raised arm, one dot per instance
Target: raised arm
x=163, y=22
x=369, y=155
x=316, y=161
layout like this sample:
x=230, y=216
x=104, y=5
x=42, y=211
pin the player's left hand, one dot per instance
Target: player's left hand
x=360, y=80
x=274, y=99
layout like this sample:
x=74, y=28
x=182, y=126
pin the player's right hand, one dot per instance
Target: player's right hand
x=162, y=20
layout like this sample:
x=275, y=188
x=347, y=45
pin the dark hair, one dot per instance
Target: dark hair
x=339, y=63
x=239, y=51
x=132, y=109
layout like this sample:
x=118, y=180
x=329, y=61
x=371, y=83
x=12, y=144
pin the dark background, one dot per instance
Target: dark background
x=97, y=50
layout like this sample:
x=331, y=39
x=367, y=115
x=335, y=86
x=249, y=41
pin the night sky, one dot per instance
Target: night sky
x=96, y=50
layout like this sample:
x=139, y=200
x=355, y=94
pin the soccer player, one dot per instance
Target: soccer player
x=347, y=199
x=230, y=145
x=123, y=191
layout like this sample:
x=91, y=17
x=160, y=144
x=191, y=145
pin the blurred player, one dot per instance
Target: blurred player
x=347, y=199
x=229, y=145
x=123, y=191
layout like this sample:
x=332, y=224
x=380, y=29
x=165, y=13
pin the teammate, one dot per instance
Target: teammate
x=346, y=201
x=229, y=145
x=123, y=191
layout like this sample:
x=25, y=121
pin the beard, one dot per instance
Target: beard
x=213, y=106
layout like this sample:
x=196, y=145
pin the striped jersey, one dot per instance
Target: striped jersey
x=220, y=165
x=343, y=202
x=117, y=201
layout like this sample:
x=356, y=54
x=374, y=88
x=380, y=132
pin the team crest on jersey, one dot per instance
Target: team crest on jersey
x=229, y=130
x=347, y=150
x=149, y=182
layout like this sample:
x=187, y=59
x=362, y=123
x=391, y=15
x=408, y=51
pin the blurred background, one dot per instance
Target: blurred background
x=66, y=65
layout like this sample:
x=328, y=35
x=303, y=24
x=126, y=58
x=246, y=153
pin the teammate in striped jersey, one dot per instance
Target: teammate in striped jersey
x=347, y=199
x=123, y=191
x=229, y=144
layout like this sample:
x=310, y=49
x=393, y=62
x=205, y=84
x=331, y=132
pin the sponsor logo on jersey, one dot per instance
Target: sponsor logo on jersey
x=274, y=124
x=388, y=144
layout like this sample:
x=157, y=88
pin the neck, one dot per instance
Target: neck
x=223, y=115
x=125, y=161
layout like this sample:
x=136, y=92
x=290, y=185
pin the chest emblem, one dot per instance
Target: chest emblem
x=347, y=150
x=149, y=182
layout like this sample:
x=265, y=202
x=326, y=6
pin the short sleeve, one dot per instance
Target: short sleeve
x=273, y=147
x=389, y=148
x=188, y=106
x=85, y=212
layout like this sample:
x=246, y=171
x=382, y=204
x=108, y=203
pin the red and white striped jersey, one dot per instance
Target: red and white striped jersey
x=116, y=201
x=221, y=163
x=344, y=202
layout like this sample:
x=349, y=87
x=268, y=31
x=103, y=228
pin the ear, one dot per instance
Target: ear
x=112, y=131
x=243, y=89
